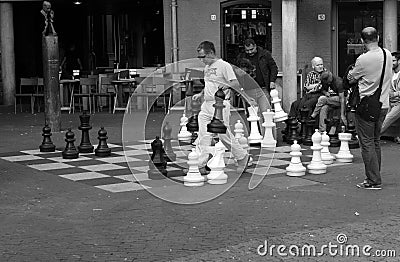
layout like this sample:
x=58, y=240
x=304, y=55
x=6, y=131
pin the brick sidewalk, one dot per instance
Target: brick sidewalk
x=45, y=218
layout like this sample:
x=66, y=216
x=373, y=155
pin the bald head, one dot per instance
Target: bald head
x=317, y=64
x=369, y=35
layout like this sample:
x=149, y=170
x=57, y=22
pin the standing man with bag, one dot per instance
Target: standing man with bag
x=373, y=71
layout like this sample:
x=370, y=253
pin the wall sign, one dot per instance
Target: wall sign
x=321, y=17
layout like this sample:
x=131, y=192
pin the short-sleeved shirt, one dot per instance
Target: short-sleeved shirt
x=368, y=70
x=312, y=78
x=216, y=75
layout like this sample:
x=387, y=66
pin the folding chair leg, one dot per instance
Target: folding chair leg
x=32, y=105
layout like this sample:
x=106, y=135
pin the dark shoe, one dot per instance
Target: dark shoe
x=365, y=185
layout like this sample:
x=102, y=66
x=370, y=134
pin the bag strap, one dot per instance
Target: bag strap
x=379, y=90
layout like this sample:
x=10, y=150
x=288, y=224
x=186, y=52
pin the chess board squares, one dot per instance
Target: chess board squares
x=102, y=167
x=21, y=158
x=132, y=152
x=83, y=176
x=135, y=177
x=50, y=166
x=37, y=152
x=122, y=187
x=264, y=170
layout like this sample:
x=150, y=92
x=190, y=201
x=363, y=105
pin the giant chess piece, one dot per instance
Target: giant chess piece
x=85, y=146
x=184, y=135
x=326, y=156
x=193, y=123
x=293, y=135
x=193, y=176
x=157, y=163
x=295, y=167
x=70, y=151
x=269, y=140
x=217, y=175
x=255, y=137
x=285, y=131
x=353, y=143
x=170, y=156
x=102, y=149
x=316, y=165
x=47, y=145
x=310, y=125
x=239, y=130
x=304, y=113
x=244, y=143
x=217, y=125
x=344, y=155
x=280, y=115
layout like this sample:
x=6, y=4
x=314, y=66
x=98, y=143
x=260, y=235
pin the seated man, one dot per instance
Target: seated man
x=332, y=96
x=394, y=97
x=311, y=90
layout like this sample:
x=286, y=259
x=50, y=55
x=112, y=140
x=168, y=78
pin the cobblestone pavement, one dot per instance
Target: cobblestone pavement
x=45, y=218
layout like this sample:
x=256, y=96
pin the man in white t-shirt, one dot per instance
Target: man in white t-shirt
x=367, y=71
x=218, y=74
x=394, y=97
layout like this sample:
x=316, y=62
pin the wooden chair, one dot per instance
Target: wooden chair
x=105, y=89
x=27, y=87
x=86, y=87
x=39, y=94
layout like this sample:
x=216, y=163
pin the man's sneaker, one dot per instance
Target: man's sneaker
x=397, y=140
x=244, y=163
x=369, y=186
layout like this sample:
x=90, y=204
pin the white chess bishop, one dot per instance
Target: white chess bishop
x=326, y=157
x=255, y=137
x=184, y=135
x=193, y=177
x=280, y=115
x=344, y=155
x=239, y=130
x=316, y=166
x=217, y=175
x=295, y=167
x=269, y=140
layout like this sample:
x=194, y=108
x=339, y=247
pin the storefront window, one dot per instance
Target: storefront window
x=352, y=18
x=241, y=21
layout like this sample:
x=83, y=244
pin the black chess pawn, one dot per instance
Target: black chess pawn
x=85, y=146
x=169, y=153
x=310, y=126
x=47, y=145
x=216, y=125
x=157, y=160
x=193, y=123
x=285, y=131
x=293, y=135
x=102, y=149
x=70, y=151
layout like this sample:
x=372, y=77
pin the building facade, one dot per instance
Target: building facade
x=151, y=33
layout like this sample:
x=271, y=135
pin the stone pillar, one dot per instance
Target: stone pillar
x=7, y=52
x=390, y=25
x=289, y=52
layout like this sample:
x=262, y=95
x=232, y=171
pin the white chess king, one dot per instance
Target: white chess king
x=255, y=137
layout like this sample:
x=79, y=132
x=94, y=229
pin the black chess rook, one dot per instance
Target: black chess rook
x=70, y=151
x=85, y=146
x=102, y=149
x=216, y=125
x=47, y=145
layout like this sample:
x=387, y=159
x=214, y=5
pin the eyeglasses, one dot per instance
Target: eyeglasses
x=201, y=56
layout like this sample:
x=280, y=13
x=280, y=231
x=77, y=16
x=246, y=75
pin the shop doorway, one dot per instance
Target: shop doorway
x=352, y=18
x=241, y=20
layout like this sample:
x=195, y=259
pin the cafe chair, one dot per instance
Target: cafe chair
x=86, y=87
x=27, y=87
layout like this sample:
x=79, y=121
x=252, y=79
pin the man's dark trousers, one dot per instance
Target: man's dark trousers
x=369, y=137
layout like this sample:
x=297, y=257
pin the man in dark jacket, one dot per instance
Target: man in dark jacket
x=265, y=72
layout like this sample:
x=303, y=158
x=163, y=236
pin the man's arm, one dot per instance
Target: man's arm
x=343, y=108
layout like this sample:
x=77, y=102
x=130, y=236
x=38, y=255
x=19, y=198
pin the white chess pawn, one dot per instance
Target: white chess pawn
x=184, y=135
x=295, y=167
x=244, y=143
x=217, y=175
x=316, y=166
x=269, y=140
x=344, y=155
x=193, y=176
x=326, y=156
x=255, y=137
x=239, y=130
x=280, y=115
